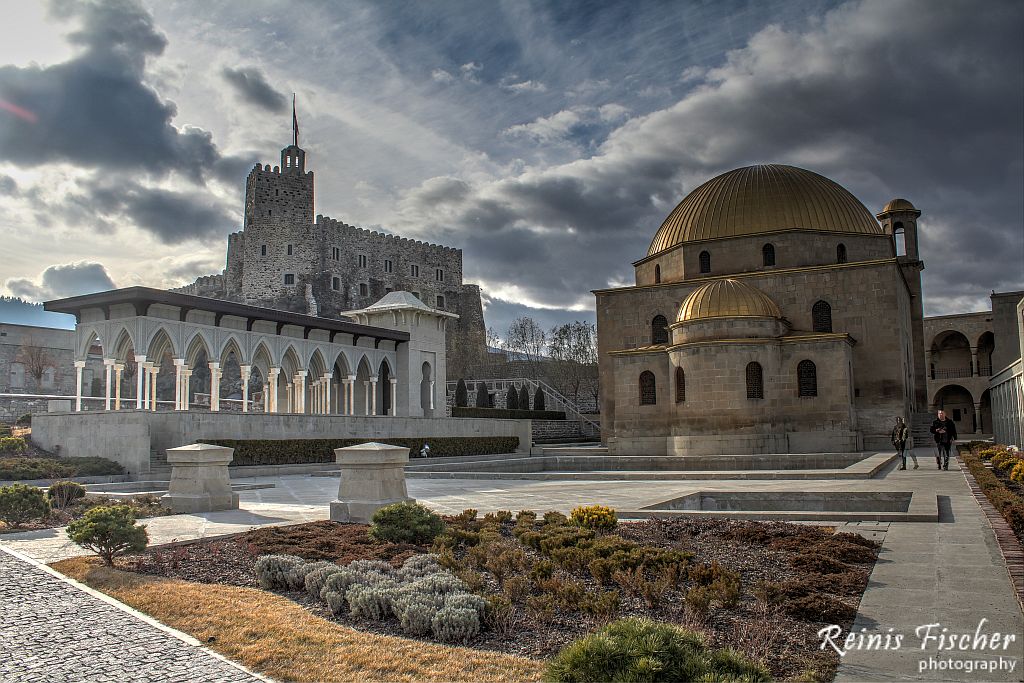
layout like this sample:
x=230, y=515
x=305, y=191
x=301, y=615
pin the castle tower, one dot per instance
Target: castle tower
x=899, y=220
x=279, y=248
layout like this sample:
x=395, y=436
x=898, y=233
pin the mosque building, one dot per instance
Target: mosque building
x=773, y=313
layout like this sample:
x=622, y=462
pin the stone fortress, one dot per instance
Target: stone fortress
x=287, y=259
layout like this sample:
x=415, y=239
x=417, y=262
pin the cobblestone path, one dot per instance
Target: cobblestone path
x=51, y=631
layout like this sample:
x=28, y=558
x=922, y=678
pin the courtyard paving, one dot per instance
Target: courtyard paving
x=948, y=573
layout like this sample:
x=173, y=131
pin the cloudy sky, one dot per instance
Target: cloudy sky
x=546, y=139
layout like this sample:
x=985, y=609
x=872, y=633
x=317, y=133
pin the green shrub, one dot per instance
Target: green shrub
x=538, y=400
x=455, y=624
x=20, y=469
x=108, y=531
x=1009, y=504
x=405, y=523
x=461, y=394
x=24, y=421
x=20, y=503
x=483, y=399
x=12, y=445
x=1017, y=473
x=272, y=571
x=597, y=517
x=512, y=398
x=300, y=451
x=62, y=493
x=524, y=398
x=499, y=414
x=642, y=650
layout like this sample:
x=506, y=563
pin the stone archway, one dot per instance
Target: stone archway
x=959, y=406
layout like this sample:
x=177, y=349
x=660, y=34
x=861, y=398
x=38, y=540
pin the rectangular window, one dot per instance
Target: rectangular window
x=439, y=275
x=440, y=302
x=263, y=250
x=289, y=250
x=335, y=254
x=388, y=266
x=414, y=271
x=335, y=284
x=362, y=260
x=956, y=414
x=289, y=278
x=364, y=289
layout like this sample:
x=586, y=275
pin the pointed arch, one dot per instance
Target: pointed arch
x=160, y=344
x=680, y=385
x=199, y=344
x=88, y=340
x=648, y=389
x=262, y=358
x=317, y=365
x=384, y=375
x=659, y=330
x=123, y=346
x=231, y=345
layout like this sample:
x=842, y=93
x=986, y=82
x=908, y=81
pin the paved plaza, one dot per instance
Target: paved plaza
x=948, y=572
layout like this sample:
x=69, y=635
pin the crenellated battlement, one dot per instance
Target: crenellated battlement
x=327, y=223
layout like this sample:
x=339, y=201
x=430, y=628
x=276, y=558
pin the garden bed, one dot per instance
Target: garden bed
x=142, y=506
x=540, y=579
x=1005, y=493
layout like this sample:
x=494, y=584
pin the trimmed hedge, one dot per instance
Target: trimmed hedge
x=300, y=451
x=1008, y=503
x=20, y=469
x=499, y=414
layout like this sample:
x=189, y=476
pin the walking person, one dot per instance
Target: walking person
x=944, y=430
x=899, y=438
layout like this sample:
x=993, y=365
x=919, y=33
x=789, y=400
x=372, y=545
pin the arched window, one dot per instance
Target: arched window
x=821, y=317
x=841, y=253
x=659, y=330
x=705, y=262
x=657, y=274
x=768, y=253
x=755, y=380
x=899, y=239
x=807, y=378
x=680, y=385
x=648, y=394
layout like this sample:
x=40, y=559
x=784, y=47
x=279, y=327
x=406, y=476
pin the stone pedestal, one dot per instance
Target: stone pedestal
x=199, y=479
x=372, y=476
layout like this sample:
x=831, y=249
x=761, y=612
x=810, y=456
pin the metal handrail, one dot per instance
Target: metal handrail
x=549, y=391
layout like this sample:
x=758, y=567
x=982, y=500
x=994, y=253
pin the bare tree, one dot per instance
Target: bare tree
x=36, y=359
x=574, y=358
x=527, y=340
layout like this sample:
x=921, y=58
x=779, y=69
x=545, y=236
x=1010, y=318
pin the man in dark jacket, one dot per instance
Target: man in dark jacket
x=900, y=436
x=944, y=430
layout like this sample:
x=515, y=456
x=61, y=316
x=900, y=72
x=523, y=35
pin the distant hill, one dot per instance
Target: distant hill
x=17, y=311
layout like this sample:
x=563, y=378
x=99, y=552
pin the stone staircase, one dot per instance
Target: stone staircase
x=920, y=423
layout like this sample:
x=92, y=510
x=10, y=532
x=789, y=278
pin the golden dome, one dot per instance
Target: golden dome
x=898, y=204
x=759, y=199
x=727, y=298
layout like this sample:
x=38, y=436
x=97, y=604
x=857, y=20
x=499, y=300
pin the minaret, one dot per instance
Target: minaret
x=899, y=221
x=280, y=249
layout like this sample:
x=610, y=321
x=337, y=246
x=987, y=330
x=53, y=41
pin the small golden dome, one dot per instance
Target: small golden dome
x=727, y=298
x=760, y=199
x=897, y=204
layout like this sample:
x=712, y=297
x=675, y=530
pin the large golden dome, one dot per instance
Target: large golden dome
x=760, y=199
x=727, y=298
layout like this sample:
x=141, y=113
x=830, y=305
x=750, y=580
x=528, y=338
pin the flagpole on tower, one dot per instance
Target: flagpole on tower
x=295, y=124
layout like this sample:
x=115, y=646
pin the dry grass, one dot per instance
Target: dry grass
x=278, y=638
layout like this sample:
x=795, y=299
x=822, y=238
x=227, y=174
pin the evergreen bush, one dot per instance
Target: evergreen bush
x=512, y=398
x=455, y=625
x=20, y=468
x=63, y=493
x=405, y=523
x=501, y=414
x=597, y=517
x=538, y=399
x=461, y=394
x=642, y=650
x=273, y=571
x=524, y=398
x=298, y=451
x=20, y=503
x=12, y=445
x=482, y=399
x=109, y=531
x=317, y=579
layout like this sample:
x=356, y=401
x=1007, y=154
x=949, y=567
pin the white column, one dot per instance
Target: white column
x=179, y=364
x=139, y=362
x=118, y=369
x=288, y=398
x=351, y=394
x=271, y=401
x=431, y=394
x=108, y=366
x=344, y=396
x=215, y=386
x=147, y=369
x=366, y=397
x=79, y=366
x=246, y=371
x=187, y=388
x=317, y=396
x=154, y=371
x=394, y=396
x=373, y=395
x=327, y=394
x=300, y=377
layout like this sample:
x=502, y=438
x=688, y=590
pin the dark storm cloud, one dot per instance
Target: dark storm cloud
x=251, y=85
x=8, y=185
x=58, y=281
x=912, y=99
x=95, y=110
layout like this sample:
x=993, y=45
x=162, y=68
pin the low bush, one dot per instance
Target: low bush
x=24, y=421
x=455, y=625
x=5, y=430
x=1001, y=461
x=12, y=445
x=596, y=517
x=317, y=579
x=1008, y=503
x=1017, y=473
x=406, y=523
x=273, y=571
x=19, y=469
x=821, y=608
x=499, y=414
x=109, y=531
x=300, y=451
x=20, y=503
x=642, y=650
x=62, y=493
x=818, y=564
